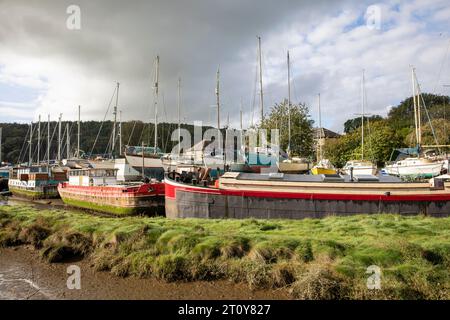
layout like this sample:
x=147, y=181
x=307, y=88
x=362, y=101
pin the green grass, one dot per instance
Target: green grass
x=119, y=211
x=312, y=258
x=33, y=194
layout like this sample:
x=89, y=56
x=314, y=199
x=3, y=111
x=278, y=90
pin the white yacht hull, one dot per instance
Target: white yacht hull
x=362, y=170
x=423, y=170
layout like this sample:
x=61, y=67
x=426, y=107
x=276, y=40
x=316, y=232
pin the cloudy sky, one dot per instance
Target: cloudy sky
x=47, y=68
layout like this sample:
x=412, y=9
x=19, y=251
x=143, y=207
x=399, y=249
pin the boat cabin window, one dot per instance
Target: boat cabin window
x=94, y=172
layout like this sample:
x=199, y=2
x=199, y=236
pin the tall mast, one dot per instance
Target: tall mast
x=39, y=141
x=78, y=133
x=289, y=104
x=261, y=100
x=179, y=107
x=67, y=141
x=156, y=103
x=419, y=117
x=415, y=104
x=48, y=144
x=30, y=159
x=319, y=157
x=363, y=95
x=120, y=132
x=1, y=145
x=240, y=116
x=113, y=144
x=218, y=108
x=59, y=137
x=241, y=125
x=218, y=98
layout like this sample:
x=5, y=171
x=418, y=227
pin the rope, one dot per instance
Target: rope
x=131, y=134
x=23, y=145
x=426, y=112
x=104, y=118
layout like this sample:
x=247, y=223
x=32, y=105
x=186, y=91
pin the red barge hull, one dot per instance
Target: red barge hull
x=143, y=199
x=275, y=200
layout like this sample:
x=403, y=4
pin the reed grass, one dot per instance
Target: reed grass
x=312, y=258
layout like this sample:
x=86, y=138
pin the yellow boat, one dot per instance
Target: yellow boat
x=321, y=170
x=324, y=166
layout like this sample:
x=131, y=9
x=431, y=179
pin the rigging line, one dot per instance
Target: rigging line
x=104, y=118
x=444, y=61
x=36, y=147
x=23, y=145
x=426, y=112
x=166, y=119
x=132, y=132
x=51, y=138
x=142, y=132
x=109, y=144
x=63, y=138
x=169, y=124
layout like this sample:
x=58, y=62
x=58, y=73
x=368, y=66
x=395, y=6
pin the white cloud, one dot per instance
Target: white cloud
x=328, y=51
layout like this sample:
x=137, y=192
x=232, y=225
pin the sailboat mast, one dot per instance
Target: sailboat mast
x=48, y=143
x=59, y=137
x=39, y=141
x=156, y=104
x=1, y=129
x=179, y=113
x=67, y=141
x=30, y=160
x=78, y=133
x=319, y=157
x=218, y=98
x=120, y=132
x=419, y=117
x=261, y=100
x=113, y=144
x=289, y=104
x=415, y=105
x=240, y=116
x=363, y=96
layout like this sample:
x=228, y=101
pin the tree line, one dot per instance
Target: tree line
x=382, y=134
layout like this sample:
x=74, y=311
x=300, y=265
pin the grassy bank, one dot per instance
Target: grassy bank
x=313, y=259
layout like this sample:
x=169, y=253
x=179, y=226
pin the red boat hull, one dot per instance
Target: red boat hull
x=186, y=201
x=147, y=198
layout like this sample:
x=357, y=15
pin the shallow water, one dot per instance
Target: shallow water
x=23, y=275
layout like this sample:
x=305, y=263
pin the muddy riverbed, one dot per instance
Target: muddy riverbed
x=23, y=275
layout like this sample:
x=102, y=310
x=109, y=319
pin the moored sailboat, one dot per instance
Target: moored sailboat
x=144, y=156
x=420, y=166
x=323, y=166
x=361, y=167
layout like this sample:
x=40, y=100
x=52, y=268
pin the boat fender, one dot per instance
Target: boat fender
x=388, y=193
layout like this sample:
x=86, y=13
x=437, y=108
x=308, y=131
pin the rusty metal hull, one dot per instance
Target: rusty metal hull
x=148, y=199
x=187, y=201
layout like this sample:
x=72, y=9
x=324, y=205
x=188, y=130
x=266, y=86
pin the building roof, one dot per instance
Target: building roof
x=326, y=133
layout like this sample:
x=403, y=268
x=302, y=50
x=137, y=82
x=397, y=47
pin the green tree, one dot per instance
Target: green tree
x=440, y=127
x=355, y=123
x=301, y=127
x=402, y=116
x=380, y=139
